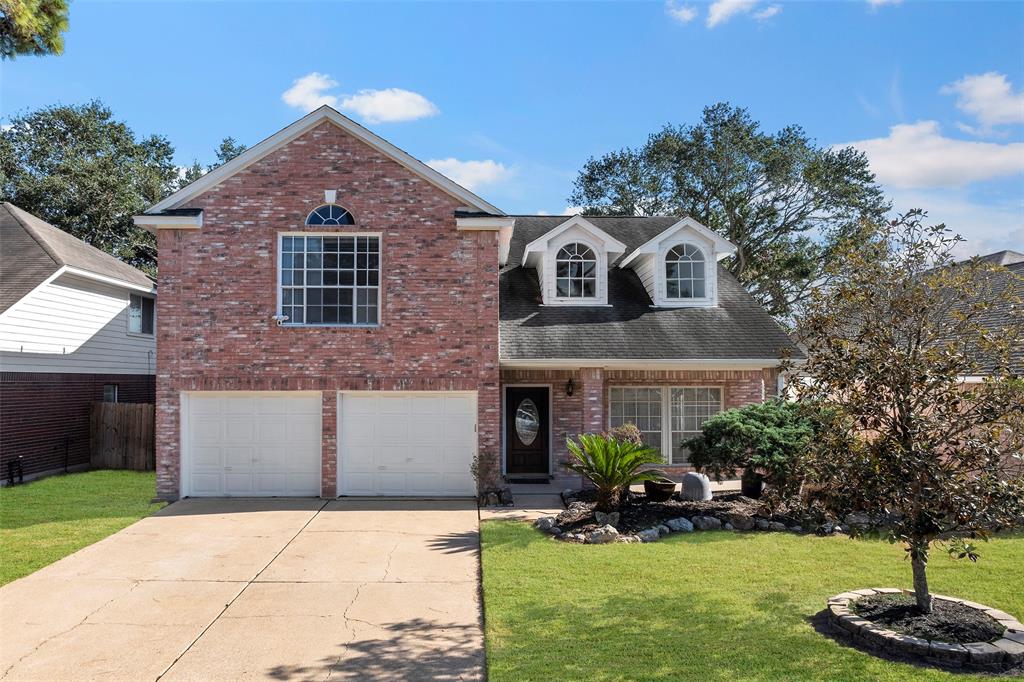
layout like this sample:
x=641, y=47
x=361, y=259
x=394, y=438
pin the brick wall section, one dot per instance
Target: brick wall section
x=218, y=291
x=41, y=412
x=571, y=416
x=329, y=445
x=566, y=414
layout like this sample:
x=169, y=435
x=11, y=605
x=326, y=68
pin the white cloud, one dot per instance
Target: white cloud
x=987, y=226
x=723, y=10
x=471, y=174
x=307, y=93
x=767, y=13
x=990, y=98
x=373, y=106
x=390, y=105
x=878, y=3
x=682, y=13
x=918, y=155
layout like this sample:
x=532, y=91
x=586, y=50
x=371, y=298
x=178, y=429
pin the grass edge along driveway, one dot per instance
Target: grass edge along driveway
x=47, y=519
x=709, y=605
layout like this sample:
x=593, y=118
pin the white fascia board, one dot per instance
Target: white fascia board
x=152, y=223
x=495, y=223
x=611, y=244
x=78, y=272
x=723, y=247
x=709, y=364
x=307, y=122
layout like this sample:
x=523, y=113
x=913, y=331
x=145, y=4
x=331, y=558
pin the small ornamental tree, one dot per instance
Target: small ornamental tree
x=769, y=438
x=917, y=442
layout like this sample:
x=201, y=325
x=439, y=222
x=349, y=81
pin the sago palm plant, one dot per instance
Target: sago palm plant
x=612, y=465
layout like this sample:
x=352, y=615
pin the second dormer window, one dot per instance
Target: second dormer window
x=684, y=273
x=576, y=272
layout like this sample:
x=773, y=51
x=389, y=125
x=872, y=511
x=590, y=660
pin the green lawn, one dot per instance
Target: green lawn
x=711, y=605
x=47, y=519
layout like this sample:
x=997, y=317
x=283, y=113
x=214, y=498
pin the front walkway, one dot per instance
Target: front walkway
x=254, y=589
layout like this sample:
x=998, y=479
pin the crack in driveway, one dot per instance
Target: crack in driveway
x=242, y=591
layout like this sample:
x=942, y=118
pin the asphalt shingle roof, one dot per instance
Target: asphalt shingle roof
x=629, y=329
x=31, y=250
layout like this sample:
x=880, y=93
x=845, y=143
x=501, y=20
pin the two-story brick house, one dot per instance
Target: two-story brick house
x=337, y=318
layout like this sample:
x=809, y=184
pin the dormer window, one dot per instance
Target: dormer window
x=684, y=273
x=571, y=261
x=576, y=272
x=679, y=267
x=330, y=214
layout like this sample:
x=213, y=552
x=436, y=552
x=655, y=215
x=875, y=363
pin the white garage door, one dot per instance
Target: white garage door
x=258, y=444
x=406, y=443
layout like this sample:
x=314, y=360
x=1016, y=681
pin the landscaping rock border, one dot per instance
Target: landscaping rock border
x=730, y=521
x=608, y=533
x=1002, y=654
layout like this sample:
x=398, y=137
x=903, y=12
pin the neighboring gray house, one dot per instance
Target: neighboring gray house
x=76, y=326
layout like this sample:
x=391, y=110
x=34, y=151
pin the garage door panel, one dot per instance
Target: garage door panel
x=262, y=444
x=406, y=443
x=238, y=456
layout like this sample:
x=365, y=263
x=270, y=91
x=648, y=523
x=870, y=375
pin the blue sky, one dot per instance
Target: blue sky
x=512, y=98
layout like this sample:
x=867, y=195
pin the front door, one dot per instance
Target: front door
x=526, y=430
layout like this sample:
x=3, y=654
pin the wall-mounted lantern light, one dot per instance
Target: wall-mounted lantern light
x=569, y=386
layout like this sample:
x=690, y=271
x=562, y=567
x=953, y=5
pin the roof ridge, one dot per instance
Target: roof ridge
x=31, y=231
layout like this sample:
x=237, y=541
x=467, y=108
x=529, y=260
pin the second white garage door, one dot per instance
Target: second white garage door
x=406, y=443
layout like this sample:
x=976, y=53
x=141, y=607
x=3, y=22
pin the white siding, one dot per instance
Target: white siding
x=73, y=324
x=644, y=267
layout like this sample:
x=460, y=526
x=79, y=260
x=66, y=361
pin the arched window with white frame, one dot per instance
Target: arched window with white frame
x=576, y=272
x=330, y=215
x=685, y=277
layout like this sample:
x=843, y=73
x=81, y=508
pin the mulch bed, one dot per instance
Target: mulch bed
x=637, y=513
x=948, y=621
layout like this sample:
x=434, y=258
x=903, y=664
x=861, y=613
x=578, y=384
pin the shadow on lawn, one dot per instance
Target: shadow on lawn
x=416, y=649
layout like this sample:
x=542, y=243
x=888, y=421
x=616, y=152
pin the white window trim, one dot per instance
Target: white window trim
x=336, y=233
x=128, y=318
x=666, y=411
x=551, y=266
x=710, y=277
x=600, y=275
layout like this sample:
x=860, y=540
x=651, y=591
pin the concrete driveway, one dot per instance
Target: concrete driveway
x=256, y=589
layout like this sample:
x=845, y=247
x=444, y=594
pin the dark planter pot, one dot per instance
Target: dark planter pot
x=660, y=490
x=751, y=485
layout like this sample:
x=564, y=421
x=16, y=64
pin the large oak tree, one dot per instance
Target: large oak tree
x=81, y=170
x=785, y=202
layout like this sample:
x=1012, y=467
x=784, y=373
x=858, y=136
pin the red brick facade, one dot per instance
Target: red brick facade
x=587, y=409
x=44, y=417
x=218, y=291
x=438, y=326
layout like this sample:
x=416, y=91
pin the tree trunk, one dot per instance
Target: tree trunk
x=919, y=562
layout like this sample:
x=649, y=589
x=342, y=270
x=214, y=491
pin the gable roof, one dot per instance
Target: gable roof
x=32, y=250
x=304, y=124
x=611, y=244
x=723, y=246
x=736, y=330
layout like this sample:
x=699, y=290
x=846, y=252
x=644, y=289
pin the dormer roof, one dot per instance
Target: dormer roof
x=722, y=247
x=610, y=244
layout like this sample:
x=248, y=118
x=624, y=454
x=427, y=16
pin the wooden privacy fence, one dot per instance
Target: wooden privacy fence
x=121, y=436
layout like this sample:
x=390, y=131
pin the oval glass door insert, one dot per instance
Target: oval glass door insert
x=527, y=421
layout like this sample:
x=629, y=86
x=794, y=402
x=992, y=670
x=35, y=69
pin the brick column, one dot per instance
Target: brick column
x=329, y=446
x=593, y=399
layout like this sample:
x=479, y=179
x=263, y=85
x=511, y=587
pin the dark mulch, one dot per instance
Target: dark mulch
x=637, y=513
x=948, y=621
